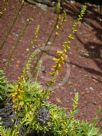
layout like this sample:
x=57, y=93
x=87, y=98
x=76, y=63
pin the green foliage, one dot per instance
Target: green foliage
x=36, y=113
x=7, y=131
x=3, y=87
x=88, y=130
x=26, y=93
x=29, y=97
x=4, y=131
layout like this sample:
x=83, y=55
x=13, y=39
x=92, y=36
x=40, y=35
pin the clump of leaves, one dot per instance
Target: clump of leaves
x=36, y=113
x=6, y=131
x=3, y=88
x=27, y=97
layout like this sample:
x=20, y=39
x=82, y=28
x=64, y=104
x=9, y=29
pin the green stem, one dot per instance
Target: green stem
x=38, y=70
x=11, y=26
x=46, y=44
x=27, y=65
x=17, y=42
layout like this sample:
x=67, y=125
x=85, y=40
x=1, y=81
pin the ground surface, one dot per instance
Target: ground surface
x=84, y=67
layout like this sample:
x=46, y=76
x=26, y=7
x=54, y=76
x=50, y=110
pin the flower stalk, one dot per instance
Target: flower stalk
x=62, y=55
x=28, y=21
x=11, y=26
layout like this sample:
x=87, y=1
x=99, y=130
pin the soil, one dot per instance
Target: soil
x=84, y=62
